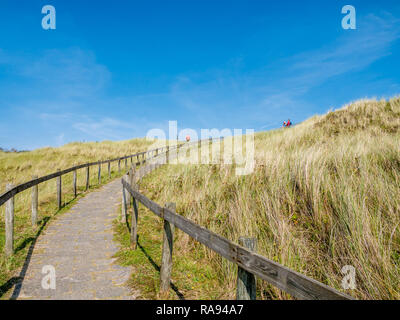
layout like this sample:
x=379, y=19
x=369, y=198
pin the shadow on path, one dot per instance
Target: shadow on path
x=17, y=281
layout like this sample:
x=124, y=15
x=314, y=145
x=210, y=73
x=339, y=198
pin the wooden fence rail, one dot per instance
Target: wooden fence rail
x=11, y=190
x=292, y=282
x=26, y=185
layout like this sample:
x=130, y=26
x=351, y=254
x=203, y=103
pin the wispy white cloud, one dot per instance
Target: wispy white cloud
x=60, y=91
x=70, y=73
x=65, y=88
x=355, y=50
x=60, y=140
x=104, y=128
x=260, y=95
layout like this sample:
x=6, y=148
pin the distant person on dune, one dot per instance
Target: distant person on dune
x=288, y=123
x=284, y=123
x=187, y=138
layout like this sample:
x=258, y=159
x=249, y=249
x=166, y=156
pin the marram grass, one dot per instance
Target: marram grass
x=324, y=194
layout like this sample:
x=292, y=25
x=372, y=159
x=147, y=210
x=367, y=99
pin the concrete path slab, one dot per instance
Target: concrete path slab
x=80, y=247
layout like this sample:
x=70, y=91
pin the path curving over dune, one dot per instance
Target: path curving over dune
x=80, y=246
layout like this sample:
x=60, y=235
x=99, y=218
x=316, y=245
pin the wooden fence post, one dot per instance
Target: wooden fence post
x=9, y=224
x=246, y=281
x=124, y=204
x=167, y=155
x=134, y=219
x=87, y=178
x=99, y=175
x=109, y=169
x=129, y=197
x=34, y=203
x=119, y=165
x=59, y=192
x=168, y=242
x=133, y=175
x=74, y=178
x=126, y=163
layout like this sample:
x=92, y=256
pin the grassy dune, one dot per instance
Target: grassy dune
x=324, y=194
x=19, y=167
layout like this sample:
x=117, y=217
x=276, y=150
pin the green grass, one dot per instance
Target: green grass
x=19, y=167
x=25, y=235
x=324, y=194
x=192, y=276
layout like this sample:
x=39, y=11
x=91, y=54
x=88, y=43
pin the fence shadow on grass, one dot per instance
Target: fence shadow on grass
x=157, y=267
x=153, y=263
x=17, y=281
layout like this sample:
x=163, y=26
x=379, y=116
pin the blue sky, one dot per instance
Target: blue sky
x=113, y=70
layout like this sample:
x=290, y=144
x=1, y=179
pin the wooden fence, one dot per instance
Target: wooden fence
x=250, y=264
x=8, y=196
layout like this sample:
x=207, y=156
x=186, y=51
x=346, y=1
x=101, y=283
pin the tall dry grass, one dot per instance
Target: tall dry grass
x=20, y=167
x=324, y=194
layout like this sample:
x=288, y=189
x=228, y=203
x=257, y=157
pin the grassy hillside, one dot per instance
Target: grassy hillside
x=324, y=194
x=19, y=167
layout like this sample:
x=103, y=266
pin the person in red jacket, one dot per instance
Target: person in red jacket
x=288, y=123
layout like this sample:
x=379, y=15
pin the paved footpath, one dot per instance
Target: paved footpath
x=79, y=244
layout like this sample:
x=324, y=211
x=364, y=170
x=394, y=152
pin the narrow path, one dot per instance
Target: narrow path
x=80, y=246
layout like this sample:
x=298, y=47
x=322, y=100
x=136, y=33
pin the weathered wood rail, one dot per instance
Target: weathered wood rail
x=250, y=264
x=11, y=191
